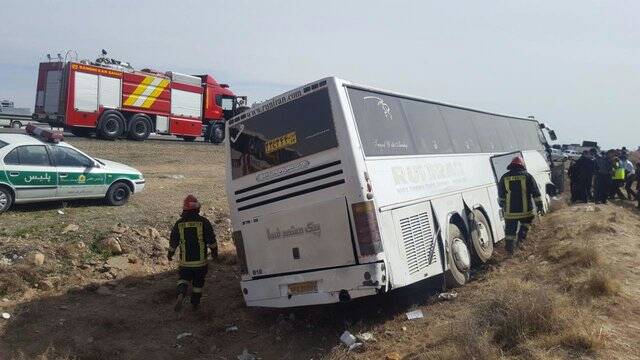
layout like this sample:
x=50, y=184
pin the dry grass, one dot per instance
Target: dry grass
x=521, y=311
x=571, y=255
x=50, y=354
x=516, y=319
x=600, y=283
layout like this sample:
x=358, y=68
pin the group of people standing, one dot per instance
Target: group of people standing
x=600, y=176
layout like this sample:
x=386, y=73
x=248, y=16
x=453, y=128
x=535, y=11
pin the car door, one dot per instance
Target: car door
x=78, y=175
x=30, y=171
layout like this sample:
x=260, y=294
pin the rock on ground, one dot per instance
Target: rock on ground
x=112, y=245
x=36, y=258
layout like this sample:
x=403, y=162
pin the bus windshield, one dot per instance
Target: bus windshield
x=296, y=129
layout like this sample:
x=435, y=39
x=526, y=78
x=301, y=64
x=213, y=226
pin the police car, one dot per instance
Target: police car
x=40, y=167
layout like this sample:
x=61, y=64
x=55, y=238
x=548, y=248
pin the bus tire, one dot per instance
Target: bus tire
x=139, y=127
x=118, y=194
x=481, y=239
x=6, y=198
x=188, y=138
x=458, y=258
x=217, y=133
x=80, y=131
x=16, y=124
x=111, y=125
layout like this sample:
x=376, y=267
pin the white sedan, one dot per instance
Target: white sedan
x=33, y=170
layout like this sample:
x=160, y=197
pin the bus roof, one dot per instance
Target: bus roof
x=322, y=82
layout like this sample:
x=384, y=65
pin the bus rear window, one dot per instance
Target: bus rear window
x=299, y=128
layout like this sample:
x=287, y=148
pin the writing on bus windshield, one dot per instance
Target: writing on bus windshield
x=394, y=125
x=296, y=129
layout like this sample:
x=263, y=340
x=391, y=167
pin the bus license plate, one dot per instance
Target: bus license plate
x=303, y=288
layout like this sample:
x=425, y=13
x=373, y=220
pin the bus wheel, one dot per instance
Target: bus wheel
x=481, y=239
x=458, y=257
x=217, y=134
x=16, y=124
x=6, y=199
x=111, y=125
x=139, y=127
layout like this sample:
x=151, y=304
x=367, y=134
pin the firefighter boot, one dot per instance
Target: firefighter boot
x=182, y=292
x=195, y=298
x=509, y=246
x=522, y=234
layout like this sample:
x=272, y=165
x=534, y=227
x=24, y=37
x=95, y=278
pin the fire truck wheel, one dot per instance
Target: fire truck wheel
x=139, y=127
x=111, y=125
x=458, y=257
x=188, y=138
x=118, y=194
x=6, y=199
x=217, y=134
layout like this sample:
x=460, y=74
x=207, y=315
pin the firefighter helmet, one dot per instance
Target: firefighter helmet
x=190, y=203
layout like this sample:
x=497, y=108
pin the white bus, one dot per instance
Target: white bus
x=339, y=191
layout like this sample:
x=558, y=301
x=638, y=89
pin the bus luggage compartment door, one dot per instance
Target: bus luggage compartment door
x=314, y=236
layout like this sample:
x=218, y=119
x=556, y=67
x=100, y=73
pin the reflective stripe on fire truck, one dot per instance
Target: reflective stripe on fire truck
x=147, y=92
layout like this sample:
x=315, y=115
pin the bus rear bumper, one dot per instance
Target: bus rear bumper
x=324, y=286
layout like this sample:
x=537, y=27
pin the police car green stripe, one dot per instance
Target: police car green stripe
x=33, y=169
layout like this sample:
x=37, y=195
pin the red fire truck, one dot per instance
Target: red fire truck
x=111, y=99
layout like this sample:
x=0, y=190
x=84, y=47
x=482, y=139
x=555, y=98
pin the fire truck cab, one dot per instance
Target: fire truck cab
x=110, y=99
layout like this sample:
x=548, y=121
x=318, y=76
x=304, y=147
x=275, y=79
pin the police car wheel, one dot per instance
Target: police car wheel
x=481, y=239
x=5, y=199
x=111, y=125
x=458, y=258
x=139, y=127
x=16, y=124
x=118, y=194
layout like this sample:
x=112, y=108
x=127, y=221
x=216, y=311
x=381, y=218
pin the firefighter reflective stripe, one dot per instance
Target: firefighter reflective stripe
x=147, y=92
x=196, y=290
x=537, y=199
x=180, y=282
x=188, y=258
x=619, y=172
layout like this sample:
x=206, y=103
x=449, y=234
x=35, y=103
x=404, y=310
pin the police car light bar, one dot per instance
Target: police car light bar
x=45, y=135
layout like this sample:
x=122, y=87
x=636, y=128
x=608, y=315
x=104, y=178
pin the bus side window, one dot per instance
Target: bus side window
x=427, y=126
x=461, y=129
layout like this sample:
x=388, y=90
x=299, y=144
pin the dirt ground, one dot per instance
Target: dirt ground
x=571, y=292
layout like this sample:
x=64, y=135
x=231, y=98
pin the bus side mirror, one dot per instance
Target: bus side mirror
x=552, y=135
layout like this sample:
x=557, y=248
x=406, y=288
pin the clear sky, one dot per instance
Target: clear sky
x=573, y=64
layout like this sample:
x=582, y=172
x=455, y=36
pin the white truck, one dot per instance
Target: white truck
x=14, y=117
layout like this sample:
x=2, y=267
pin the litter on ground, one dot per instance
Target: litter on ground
x=415, y=314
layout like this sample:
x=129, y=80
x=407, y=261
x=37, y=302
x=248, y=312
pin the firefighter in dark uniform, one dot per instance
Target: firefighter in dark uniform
x=516, y=190
x=194, y=235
